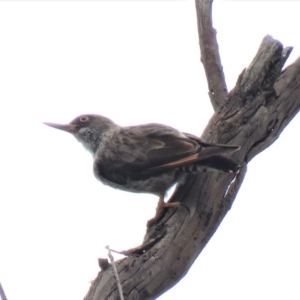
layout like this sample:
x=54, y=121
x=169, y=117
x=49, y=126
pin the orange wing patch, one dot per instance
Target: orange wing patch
x=183, y=161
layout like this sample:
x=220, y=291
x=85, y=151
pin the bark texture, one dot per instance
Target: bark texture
x=252, y=115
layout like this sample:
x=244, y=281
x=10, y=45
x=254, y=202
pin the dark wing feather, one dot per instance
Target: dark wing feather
x=149, y=146
x=141, y=151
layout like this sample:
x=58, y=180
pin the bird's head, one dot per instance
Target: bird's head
x=87, y=129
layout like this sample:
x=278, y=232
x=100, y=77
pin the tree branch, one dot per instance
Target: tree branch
x=255, y=112
x=210, y=56
x=2, y=294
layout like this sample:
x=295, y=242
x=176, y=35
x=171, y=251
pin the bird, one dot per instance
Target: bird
x=147, y=158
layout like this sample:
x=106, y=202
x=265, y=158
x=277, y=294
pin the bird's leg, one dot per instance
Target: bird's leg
x=162, y=204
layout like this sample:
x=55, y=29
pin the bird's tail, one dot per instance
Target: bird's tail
x=209, y=158
x=212, y=164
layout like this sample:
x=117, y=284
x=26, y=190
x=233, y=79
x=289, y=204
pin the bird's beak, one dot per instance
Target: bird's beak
x=65, y=127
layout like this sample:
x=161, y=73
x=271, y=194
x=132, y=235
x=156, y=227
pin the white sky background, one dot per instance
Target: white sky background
x=134, y=62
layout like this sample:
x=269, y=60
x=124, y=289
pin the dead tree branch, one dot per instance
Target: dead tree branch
x=2, y=294
x=253, y=114
x=210, y=56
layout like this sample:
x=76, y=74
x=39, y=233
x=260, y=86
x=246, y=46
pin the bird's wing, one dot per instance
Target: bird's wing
x=207, y=155
x=149, y=146
x=141, y=151
x=136, y=152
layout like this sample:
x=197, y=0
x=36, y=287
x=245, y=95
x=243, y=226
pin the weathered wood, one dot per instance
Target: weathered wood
x=210, y=56
x=257, y=110
x=254, y=113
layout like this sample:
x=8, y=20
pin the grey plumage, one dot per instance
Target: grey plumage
x=147, y=158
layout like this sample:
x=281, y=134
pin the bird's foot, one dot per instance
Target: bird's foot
x=160, y=212
x=162, y=204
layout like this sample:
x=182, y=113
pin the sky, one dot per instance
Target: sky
x=134, y=62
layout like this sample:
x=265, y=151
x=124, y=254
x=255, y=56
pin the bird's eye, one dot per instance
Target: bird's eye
x=83, y=119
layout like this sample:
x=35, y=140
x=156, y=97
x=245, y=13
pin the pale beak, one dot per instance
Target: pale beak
x=65, y=127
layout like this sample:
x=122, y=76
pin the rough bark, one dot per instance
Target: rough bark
x=254, y=113
x=210, y=56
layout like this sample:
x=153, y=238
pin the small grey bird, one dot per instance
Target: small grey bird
x=147, y=158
